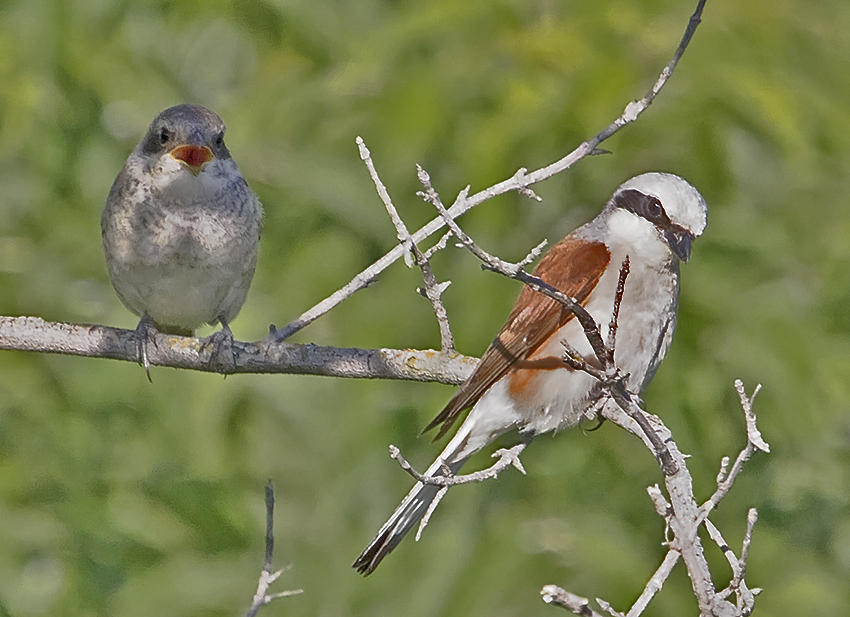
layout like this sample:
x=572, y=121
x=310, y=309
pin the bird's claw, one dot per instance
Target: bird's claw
x=145, y=333
x=222, y=359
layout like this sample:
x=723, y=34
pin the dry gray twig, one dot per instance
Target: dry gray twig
x=683, y=517
x=726, y=477
x=267, y=576
x=507, y=457
x=737, y=586
x=432, y=290
x=552, y=594
x=656, y=582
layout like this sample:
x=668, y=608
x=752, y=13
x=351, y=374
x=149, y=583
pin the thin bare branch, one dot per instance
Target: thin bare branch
x=717, y=538
x=608, y=608
x=628, y=403
x=434, y=292
x=737, y=586
x=753, y=434
x=655, y=584
x=401, y=229
x=618, y=299
x=724, y=470
x=267, y=564
x=533, y=255
x=726, y=477
x=267, y=577
x=431, y=507
x=662, y=506
x=413, y=255
x=508, y=457
x=752, y=518
x=441, y=244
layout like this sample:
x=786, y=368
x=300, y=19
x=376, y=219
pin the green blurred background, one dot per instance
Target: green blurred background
x=124, y=498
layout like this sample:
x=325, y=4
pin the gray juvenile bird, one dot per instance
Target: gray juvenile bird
x=181, y=229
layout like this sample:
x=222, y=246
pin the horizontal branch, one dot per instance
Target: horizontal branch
x=35, y=334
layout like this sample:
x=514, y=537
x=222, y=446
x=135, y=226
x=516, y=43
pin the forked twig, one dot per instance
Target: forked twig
x=433, y=290
x=267, y=576
x=507, y=457
x=726, y=477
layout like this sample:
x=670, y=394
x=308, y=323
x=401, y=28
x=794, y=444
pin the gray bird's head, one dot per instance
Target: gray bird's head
x=675, y=207
x=190, y=134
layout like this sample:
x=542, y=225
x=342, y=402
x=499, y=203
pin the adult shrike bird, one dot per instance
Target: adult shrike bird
x=522, y=382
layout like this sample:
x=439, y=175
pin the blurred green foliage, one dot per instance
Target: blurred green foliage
x=124, y=498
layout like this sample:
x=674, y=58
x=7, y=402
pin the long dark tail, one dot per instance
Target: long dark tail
x=413, y=508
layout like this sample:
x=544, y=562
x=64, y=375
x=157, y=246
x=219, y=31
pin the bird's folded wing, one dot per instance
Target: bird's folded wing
x=574, y=266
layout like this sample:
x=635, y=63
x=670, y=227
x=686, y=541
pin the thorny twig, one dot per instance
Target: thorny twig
x=618, y=299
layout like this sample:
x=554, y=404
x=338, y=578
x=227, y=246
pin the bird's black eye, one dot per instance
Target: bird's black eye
x=654, y=208
x=164, y=136
x=642, y=205
x=219, y=140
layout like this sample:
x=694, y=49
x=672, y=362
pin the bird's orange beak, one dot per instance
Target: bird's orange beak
x=193, y=157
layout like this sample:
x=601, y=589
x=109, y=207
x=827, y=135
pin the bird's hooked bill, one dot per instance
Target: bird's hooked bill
x=680, y=241
x=194, y=157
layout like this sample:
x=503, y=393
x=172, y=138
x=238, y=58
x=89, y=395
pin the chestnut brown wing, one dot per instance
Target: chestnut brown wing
x=573, y=266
